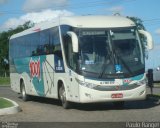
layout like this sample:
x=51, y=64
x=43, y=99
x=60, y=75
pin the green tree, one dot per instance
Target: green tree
x=138, y=22
x=4, y=45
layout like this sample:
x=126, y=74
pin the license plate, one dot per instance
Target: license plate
x=117, y=95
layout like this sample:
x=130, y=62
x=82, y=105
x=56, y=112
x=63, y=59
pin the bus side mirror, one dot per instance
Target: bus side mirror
x=74, y=39
x=148, y=37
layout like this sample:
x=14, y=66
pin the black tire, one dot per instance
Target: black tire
x=119, y=104
x=62, y=97
x=25, y=97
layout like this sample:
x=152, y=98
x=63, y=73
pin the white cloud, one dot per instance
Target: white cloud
x=46, y=15
x=38, y=5
x=157, y=31
x=35, y=17
x=11, y=23
x=116, y=9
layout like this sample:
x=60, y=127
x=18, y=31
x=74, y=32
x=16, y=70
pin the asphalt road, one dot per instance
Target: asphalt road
x=50, y=110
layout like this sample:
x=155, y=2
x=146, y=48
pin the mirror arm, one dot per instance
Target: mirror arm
x=74, y=41
x=149, y=39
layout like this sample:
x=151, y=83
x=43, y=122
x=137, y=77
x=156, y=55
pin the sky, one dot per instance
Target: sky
x=17, y=12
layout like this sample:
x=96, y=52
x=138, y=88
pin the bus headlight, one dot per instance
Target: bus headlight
x=86, y=84
x=90, y=85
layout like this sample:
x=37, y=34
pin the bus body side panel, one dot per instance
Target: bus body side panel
x=30, y=72
x=48, y=75
x=15, y=83
x=41, y=75
x=53, y=71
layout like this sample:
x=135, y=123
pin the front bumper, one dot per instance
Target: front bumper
x=88, y=95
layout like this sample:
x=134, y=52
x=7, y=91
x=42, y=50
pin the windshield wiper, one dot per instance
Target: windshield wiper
x=103, y=68
x=109, y=55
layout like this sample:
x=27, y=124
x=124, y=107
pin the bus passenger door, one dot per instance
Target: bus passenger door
x=73, y=85
x=71, y=63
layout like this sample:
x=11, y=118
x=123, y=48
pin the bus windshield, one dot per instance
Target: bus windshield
x=114, y=53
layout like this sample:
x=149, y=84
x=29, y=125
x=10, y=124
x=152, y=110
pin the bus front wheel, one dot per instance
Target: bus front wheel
x=62, y=96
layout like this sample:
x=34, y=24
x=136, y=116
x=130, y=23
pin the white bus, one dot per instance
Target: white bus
x=82, y=59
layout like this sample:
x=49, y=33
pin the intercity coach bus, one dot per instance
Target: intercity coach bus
x=82, y=59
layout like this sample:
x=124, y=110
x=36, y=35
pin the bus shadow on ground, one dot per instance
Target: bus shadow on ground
x=43, y=100
x=150, y=102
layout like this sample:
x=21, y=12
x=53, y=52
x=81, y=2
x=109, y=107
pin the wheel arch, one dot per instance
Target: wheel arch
x=22, y=80
x=60, y=82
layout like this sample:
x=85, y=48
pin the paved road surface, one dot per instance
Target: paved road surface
x=49, y=110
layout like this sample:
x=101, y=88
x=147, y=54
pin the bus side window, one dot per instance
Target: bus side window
x=34, y=53
x=58, y=53
x=46, y=49
x=51, y=49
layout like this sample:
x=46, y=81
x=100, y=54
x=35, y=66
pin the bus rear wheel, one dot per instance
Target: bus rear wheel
x=25, y=97
x=62, y=97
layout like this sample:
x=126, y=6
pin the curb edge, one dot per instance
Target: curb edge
x=10, y=110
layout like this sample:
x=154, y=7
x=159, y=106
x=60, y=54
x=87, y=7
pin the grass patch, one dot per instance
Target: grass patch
x=157, y=96
x=5, y=103
x=157, y=85
x=4, y=81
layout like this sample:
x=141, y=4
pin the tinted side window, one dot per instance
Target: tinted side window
x=49, y=42
x=39, y=43
x=56, y=42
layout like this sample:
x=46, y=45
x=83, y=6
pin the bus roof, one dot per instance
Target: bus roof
x=81, y=22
